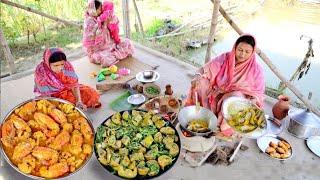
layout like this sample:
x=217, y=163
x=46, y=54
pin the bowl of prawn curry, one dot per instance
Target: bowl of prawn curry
x=46, y=138
x=136, y=144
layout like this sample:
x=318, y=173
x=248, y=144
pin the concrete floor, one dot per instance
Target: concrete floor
x=250, y=164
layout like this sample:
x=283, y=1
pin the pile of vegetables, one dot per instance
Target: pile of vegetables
x=152, y=90
x=136, y=144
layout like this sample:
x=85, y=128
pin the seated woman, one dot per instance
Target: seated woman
x=101, y=35
x=235, y=73
x=55, y=77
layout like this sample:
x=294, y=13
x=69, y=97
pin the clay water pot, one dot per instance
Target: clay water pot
x=168, y=90
x=281, y=108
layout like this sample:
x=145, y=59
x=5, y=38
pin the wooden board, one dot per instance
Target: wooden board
x=131, y=63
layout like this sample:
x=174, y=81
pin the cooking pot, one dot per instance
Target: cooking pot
x=303, y=123
x=189, y=113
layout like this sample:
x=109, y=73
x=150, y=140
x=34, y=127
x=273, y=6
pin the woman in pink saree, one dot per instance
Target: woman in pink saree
x=55, y=77
x=235, y=73
x=101, y=35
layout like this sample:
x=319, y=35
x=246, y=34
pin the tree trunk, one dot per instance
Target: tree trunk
x=44, y=27
x=136, y=26
x=28, y=34
x=272, y=67
x=214, y=22
x=34, y=36
x=7, y=53
x=126, y=19
x=139, y=18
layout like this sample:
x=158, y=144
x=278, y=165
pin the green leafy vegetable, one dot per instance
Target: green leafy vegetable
x=152, y=90
x=101, y=133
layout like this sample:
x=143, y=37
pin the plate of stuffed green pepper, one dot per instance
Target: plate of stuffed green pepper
x=137, y=144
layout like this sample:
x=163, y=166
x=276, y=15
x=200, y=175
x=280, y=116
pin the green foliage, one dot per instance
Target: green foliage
x=154, y=27
x=17, y=23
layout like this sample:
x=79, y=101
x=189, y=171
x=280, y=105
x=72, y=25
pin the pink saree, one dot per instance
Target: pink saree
x=49, y=83
x=222, y=79
x=101, y=40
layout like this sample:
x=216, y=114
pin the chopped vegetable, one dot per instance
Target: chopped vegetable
x=101, y=133
x=152, y=90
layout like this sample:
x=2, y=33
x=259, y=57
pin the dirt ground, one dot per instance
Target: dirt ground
x=250, y=164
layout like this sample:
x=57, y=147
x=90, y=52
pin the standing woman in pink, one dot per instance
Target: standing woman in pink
x=235, y=73
x=101, y=35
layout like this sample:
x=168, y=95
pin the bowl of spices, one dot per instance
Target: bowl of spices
x=151, y=90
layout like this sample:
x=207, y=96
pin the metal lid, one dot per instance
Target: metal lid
x=305, y=117
x=313, y=144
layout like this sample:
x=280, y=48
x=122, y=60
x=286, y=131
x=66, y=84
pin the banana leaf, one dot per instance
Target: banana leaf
x=121, y=103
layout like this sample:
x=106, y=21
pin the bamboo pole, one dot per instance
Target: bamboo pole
x=214, y=22
x=126, y=19
x=175, y=34
x=139, y=18
x=136, y=26
x=181, y=27
x=40, y=13
x=272, y=67
x=7, y=53
x=302, y=66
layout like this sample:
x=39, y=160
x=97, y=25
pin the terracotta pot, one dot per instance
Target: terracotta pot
x=168, y=90
x=281, y=108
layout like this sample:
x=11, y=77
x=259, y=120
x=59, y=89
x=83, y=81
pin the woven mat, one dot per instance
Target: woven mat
x=131, y=63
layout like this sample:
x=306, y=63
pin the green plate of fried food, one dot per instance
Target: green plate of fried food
x=243, y=116
x=136, y=144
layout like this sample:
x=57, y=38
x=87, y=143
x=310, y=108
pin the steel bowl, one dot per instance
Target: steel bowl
x=303, y=123
x=141, y=78
x=148, y=74
x=51, y=99
x=189, y=113
x=136, y=99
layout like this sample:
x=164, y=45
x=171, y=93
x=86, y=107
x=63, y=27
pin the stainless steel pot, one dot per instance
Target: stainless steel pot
x=189, y=113
x=303, y=123
x=51, y=99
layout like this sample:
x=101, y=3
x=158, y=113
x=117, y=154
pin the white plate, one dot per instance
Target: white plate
x=155, y=77
x=271, y=129
x=239, y=104
x=136, y=99
x=263, y=144
x=313, y=144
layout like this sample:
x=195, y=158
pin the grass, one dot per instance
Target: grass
x=154, y=27
x=57, y=37
x=174, y=46
x=27, y=55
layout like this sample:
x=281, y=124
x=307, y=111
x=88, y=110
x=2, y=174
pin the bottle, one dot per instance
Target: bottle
x=281, y=108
